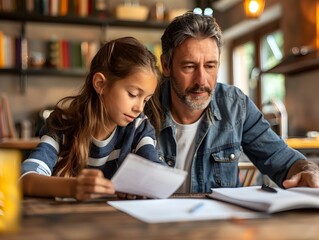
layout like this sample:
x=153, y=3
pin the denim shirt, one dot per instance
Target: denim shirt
x=232, y=124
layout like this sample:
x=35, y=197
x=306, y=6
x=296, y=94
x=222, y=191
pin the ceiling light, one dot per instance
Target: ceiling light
x=254, y=8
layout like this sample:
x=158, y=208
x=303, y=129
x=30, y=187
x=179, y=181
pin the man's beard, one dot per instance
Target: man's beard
x=186, y=97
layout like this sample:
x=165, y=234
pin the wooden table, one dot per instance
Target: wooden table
x=21, y=148
x=48, y=219
x=18, y=143
x=303, y=143
x=307, y=146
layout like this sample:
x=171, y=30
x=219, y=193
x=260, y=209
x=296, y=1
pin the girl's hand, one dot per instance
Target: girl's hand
x=91, y=183
x=121, y=195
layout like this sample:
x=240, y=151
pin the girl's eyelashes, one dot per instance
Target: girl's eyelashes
x=132, y=95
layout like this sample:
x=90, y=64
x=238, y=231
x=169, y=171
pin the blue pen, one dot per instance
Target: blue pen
x=196, y=207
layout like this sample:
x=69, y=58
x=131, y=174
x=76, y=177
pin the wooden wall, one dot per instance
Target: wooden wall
x=299, y=24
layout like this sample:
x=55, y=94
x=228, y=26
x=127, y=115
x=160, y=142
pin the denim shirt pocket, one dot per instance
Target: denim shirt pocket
x=225, y=166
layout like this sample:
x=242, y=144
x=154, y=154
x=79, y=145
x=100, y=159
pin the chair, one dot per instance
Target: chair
x=276, y=114
x=247, y=173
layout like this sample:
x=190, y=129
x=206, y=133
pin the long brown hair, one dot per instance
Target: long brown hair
x=77, y=117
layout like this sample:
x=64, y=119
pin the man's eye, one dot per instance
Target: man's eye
x=189, y=66
x=211, y=66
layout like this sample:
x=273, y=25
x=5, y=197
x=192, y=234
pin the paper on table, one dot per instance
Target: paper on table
x=172, y=210
x=142, y=177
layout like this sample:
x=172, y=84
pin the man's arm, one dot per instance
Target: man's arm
x=303, y=173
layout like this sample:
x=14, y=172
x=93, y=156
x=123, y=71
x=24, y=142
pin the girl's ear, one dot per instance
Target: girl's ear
x=99, y=82
x=165, y=67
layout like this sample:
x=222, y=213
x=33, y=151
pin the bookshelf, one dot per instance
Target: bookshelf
x=31, y=89
x=76, y=20
x=22, y=67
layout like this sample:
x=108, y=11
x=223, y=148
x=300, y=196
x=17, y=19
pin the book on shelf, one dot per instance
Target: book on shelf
x=18, y=52
x=9, y=51
x=1, y=49
x=61, y=53
x=64, y=54
x=256, y=198
x=76, y=55
x=80, y=8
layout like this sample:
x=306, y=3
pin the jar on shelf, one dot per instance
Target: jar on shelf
x=158, y=12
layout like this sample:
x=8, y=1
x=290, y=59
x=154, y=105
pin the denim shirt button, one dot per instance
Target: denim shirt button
x=170, y=163
x=232, y=156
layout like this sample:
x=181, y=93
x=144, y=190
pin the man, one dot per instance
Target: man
x=207, y=125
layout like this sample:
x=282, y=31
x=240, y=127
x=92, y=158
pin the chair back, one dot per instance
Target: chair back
x=247, y=173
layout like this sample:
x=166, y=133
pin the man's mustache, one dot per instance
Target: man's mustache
x=198, y=88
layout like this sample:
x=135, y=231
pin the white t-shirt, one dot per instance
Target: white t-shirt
x=185, y=137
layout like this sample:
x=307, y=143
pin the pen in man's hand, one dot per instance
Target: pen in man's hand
x=268, y=188
x=196, y=207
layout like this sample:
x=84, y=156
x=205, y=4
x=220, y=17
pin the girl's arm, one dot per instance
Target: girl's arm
x=89, y=184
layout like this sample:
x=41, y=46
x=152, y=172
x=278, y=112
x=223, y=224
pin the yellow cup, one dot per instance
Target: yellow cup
x=10, y=191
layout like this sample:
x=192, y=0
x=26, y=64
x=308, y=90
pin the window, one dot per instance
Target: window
x=253, y=54
x=271, y=53
x=243, y=66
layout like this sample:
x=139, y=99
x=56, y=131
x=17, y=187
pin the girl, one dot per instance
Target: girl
x=87, y=136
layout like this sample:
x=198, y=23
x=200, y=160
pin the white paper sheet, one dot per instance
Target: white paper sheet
x=142, y=177
x=173, y=210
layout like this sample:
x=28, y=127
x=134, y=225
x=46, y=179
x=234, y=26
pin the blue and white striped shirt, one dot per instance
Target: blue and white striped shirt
x=137, y=137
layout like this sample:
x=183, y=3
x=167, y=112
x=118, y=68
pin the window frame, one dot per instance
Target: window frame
x=255, y=36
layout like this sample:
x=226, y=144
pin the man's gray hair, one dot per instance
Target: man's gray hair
x=186, y=26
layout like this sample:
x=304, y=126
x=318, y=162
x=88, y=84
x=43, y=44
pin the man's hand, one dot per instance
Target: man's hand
x=91, y=183
x=302, y=173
